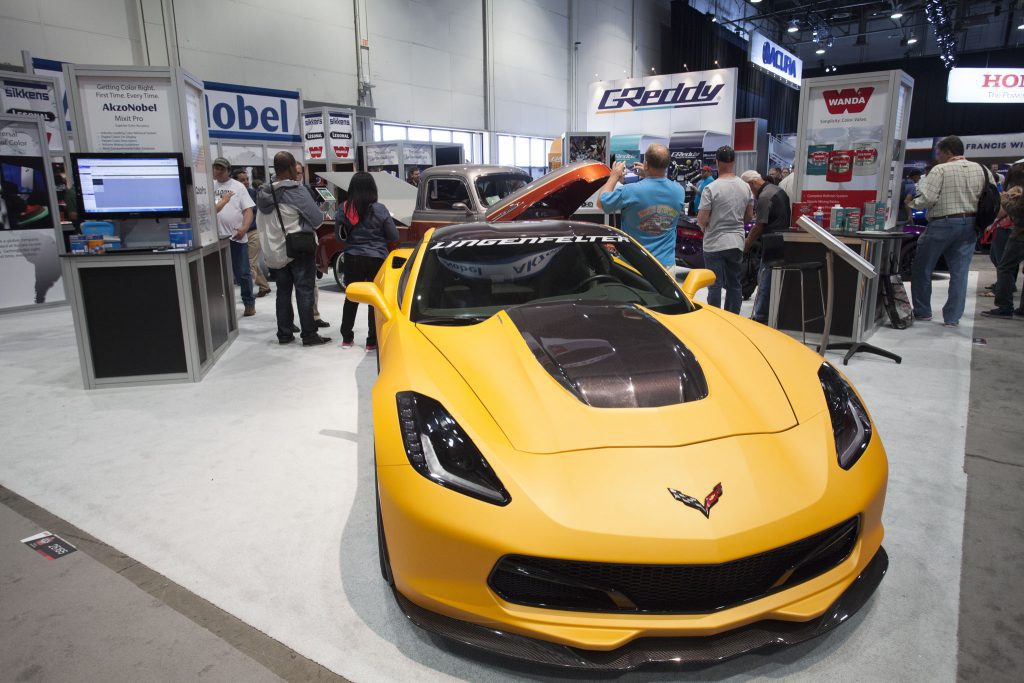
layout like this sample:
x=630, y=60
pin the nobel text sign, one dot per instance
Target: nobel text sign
x=696, y=100
x=985, y=85
x=239, y=112
x=773, y=59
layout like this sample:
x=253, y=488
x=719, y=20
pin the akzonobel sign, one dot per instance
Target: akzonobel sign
x=986, y=85
x=240, y=112
x=696, y=100
x=776, y=60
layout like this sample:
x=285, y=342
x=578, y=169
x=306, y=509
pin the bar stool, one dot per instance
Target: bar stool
x=772, y=255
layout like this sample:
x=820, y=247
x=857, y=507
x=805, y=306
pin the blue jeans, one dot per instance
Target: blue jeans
x=727, y=266
x=240, y=268
x=299, y=273
x=764, y=293
x=953, y=238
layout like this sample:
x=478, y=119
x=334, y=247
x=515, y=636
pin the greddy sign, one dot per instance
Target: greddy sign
x=702, y=100
x=773, y=59
x=236, y=112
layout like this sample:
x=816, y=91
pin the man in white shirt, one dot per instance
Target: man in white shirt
x=234, y=214
x=726, y=205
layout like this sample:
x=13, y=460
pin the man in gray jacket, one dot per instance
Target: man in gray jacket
x=293, y=211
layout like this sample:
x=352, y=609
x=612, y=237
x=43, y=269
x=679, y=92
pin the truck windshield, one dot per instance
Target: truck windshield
x=494, y=187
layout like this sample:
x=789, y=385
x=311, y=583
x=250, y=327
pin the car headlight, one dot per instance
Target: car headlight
x=440, y=450
x=850, y=422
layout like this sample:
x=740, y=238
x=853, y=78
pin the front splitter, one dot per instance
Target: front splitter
x=644, y=651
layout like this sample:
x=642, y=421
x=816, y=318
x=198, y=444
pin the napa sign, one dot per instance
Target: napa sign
x=775, y=60
x=241, y=112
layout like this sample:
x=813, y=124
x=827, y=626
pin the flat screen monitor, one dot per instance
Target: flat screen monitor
x=130, y=185
x=24, y=194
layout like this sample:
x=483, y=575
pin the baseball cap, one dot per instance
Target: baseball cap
x=705, y=168
x=750, y=176
x=221, y=161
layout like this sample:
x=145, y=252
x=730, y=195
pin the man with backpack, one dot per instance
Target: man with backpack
x=951, y=194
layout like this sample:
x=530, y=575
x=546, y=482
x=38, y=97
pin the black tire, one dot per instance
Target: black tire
x=382, y=543
x=338, y=266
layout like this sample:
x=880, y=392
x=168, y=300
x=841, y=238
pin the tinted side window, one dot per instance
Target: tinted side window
x=403, y=281
x=443, y=192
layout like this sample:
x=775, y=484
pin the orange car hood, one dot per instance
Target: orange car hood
x=556, y=195
x=539, y=414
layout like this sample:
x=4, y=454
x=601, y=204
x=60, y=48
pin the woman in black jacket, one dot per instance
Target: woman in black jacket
x=366, y=227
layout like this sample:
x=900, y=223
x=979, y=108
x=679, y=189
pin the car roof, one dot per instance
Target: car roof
x=470, y=171
x=476, y=231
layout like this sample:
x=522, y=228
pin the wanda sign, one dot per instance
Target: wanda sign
x=847, y=100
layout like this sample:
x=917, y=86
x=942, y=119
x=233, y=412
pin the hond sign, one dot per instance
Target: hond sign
x=239, y=112
x=986, y=85
x=775, y=60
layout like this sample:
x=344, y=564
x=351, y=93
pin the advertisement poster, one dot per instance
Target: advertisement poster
x=203, y=221
x=670, y=103
x=29, y=268
x=240, y=112
x=126, y=114
x=420, y=155
x=36, y=100
x=313, y=135
x=846, y=129
x=340, y=133
x=381, y=155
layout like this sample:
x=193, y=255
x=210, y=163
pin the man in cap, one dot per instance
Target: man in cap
x=234, y=214
x=771, y=214
x=705, y=179
x=725, y=207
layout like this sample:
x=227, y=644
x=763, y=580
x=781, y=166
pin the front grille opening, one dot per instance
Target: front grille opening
x=673, y=589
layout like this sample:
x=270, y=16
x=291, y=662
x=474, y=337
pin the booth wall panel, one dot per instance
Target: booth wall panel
x=216, y=288
x=197, y=308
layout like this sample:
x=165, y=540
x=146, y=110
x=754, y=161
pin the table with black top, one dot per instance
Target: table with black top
x=144, y=316
x=856, y=314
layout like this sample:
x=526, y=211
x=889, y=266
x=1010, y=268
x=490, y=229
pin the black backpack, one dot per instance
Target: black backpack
x=988, y=203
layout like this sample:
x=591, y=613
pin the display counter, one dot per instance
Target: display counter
x=856, y=314
x=149, y=317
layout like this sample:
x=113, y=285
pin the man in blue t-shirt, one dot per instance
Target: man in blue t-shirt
x=705, y=179
x=650, y=208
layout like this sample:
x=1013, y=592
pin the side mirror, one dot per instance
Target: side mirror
x=461, y=206
x=369, y=294
x=696, y=280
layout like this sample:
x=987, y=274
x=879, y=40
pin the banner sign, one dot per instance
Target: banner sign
x=696, y=100
x=35, y=99
x=236, y=112
x=381, y=155
x=999, y=145
x=126, y=114
x=55, y=69
x=844, y=138
x=985, y=85
x=313, y=135
x=775, y=60
x=340, y=133
x=420, y=155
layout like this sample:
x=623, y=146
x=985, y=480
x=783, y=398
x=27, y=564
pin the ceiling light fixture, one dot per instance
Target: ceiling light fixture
x=911, y=40
x=820, y=51
x=1021, y=27
x=896, y=15
x=794, y=26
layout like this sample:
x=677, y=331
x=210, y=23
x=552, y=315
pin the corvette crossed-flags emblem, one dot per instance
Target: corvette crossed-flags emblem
x=690, y=501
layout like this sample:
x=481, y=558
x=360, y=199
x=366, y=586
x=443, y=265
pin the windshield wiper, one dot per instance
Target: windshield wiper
x=453, y=320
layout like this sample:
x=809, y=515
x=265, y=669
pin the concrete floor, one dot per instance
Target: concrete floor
x=260, y=539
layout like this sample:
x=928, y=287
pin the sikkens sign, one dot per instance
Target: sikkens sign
x=986, y=86
x=775, y=60
x=240, y=112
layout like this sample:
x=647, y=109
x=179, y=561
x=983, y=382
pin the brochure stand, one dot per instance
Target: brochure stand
x=865, y=269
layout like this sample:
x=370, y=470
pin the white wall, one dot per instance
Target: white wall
x=531, y=66
x=93, y=32
x=427, y=61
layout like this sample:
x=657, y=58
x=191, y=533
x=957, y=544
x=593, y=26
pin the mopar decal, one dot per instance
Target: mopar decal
x=639, y=97
x=709, y=500
x=514, y=241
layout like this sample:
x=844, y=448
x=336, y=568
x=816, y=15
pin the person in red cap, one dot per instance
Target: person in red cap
x=705, y=179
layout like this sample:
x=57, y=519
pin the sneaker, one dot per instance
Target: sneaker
x=286, y=340
x=371, y=347
x=347, y=345
x=951, y=324
x=322, y=324
x=315, y=340
x=249, y=310
x=999, y=313
x=923, y=318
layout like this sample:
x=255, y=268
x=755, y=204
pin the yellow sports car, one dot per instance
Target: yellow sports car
x=577, y=465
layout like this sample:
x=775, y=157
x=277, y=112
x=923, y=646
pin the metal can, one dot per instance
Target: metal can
x=865, y=157
x=853, y=219
x=840, y=166
x=817, y=159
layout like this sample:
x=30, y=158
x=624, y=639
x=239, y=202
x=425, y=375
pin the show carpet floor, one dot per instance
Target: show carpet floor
x=254, y=490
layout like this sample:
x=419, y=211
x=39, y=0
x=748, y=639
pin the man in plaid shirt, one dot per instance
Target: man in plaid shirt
x=950, y=193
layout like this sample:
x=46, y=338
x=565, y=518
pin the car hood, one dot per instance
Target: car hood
x=556, y=195
x=574, y=377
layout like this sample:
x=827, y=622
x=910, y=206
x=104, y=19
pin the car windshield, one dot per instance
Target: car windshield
x=465, y=281
x=494, y=187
